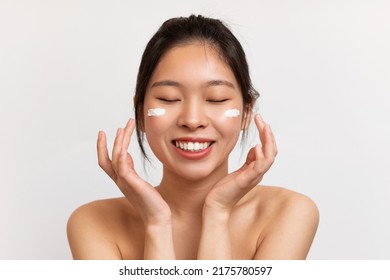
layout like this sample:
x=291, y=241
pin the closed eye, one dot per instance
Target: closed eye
x=168, y=100
x=217, y=100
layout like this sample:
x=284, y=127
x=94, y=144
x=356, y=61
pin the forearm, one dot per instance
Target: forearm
x=215, y=240
x=159, y=242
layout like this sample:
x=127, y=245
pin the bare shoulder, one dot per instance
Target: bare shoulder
x=291, y=223
x=277, y=200
x=91, y=228
x=284, y=200
x=102, y=209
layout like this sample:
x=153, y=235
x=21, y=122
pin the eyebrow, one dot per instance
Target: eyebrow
x=166, y=83
x=207, y=84
x=219, y=83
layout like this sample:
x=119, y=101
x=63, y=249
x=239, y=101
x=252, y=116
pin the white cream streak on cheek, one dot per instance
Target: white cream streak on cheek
x=156, y=112
x=232, y=113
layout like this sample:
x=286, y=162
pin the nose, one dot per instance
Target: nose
x=193, y=115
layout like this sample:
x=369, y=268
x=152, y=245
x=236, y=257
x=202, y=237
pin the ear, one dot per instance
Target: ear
x=246, y=118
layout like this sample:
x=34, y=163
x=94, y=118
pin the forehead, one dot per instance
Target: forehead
x=192, y=64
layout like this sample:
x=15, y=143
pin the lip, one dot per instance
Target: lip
x=193, y=155
x=193, y=139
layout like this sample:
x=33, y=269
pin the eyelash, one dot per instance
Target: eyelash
x=217, y=101
x=168, y=100
x=209, y=100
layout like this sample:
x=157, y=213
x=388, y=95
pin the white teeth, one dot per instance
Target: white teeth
x=192, y=146
x=196, y=146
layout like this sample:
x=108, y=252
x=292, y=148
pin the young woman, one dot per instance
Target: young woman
x=193, y=98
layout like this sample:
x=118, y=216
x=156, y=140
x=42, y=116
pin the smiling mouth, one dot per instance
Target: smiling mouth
x=189, y=146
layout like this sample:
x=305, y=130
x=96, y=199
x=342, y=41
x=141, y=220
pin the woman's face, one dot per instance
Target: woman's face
x=193, y=111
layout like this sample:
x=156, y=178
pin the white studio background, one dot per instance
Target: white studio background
x=68, y=70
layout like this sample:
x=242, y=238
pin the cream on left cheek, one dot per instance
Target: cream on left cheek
x=156, y=112
x=232, y=113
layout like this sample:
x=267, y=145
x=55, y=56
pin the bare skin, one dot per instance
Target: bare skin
x=266, y=223
x=199, y=210
x=281, y=227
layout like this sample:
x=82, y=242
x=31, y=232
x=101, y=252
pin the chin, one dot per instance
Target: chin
x=196, y=173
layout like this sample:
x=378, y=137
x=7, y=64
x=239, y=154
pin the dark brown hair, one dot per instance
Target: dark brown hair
x=183, y=30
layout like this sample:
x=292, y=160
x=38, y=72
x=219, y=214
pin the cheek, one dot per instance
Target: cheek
x=155, y=130
x=229, y=118
x=228, y=124
x=157, y=124
x=155, y=117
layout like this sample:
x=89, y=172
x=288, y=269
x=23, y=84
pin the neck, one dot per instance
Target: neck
x=186, y=197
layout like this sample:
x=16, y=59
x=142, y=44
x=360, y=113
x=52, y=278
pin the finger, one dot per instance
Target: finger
x=249, y=159
x=103, y=157
x=269, y=149
x=127, y=133
x=258, y=166
x=125, y=170
x=122, y=164
x=274, y=142
x=252, y=173
x=129, y=161
x=267, y=139
x=116, y=150
x=260, y=124
x=251, y=156
x=254, y=161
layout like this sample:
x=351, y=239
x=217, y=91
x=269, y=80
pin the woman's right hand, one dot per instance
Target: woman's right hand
x=144, y=197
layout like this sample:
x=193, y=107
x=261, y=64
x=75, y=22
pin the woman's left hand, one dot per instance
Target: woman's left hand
x=230, y=189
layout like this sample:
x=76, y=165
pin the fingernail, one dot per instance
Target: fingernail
x=100, y=134
x=118, y=132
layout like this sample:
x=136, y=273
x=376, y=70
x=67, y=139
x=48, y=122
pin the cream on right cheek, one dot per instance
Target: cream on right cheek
x=156, y=112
